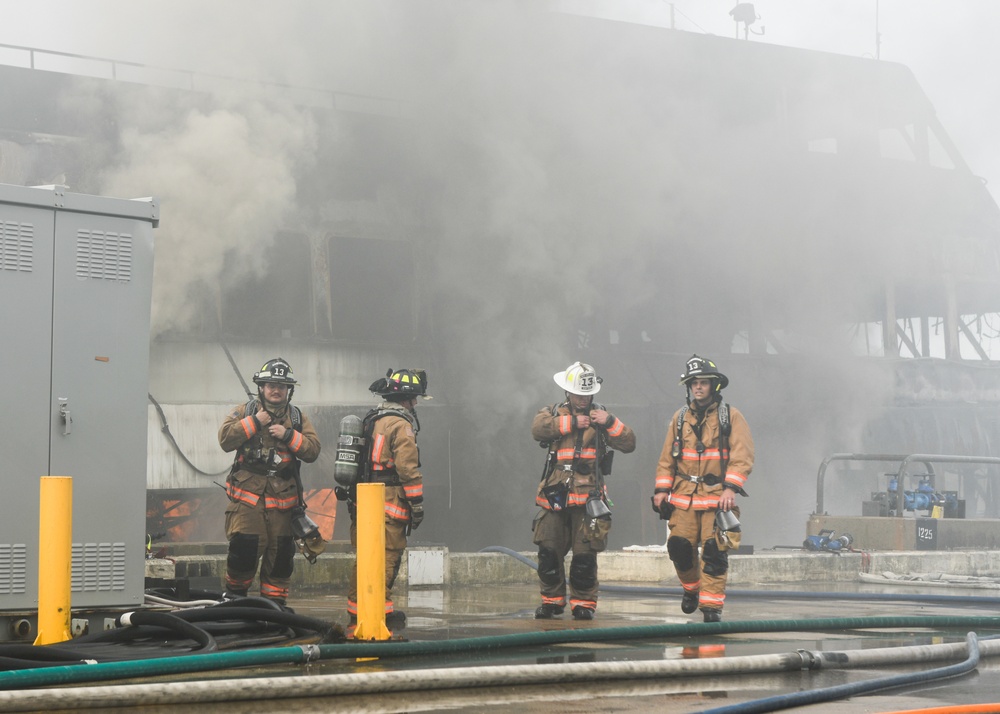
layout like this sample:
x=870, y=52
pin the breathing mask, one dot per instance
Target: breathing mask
x=728, y=531
x=306, y=535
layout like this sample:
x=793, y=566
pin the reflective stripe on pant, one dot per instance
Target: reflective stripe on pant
x=708, y=574
x=556, y=533
x=275, y=549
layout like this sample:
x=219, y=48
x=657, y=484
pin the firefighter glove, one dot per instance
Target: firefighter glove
x=665, y=510
x=416, y=515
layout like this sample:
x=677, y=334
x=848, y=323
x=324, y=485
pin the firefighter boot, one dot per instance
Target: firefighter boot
x=547, y=611
x=582, y=613
x=712, y=615
x=689, y=603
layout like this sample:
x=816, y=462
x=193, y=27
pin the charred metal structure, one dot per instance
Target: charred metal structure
x=847, y=268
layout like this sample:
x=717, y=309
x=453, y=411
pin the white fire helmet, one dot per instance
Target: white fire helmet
x=579, y=378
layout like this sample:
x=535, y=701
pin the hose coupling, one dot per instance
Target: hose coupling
x=310, y=653
x=809, y=659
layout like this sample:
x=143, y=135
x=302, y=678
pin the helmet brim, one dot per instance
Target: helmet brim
x=402, y=396
x=560, y=379
x=723, y=379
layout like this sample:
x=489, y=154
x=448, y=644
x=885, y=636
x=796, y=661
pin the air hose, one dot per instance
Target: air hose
x=776, y=594
x=58, y=675
x=258, y=689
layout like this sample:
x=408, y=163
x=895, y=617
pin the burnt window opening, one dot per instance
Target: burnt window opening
x=372, y=290
x=274, y=303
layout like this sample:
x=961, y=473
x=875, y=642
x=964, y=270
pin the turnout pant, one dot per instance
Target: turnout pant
x=556, y=533
x=258, y=534
x=707, y=575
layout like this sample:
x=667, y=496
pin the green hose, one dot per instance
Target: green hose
x=52, y=676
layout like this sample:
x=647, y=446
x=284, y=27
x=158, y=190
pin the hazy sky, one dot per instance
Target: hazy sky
x=951, y=46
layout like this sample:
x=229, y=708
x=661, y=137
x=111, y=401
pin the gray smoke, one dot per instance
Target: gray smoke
x=576, y=192
x=225, y=179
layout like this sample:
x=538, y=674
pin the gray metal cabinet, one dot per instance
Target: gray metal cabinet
x=76, y=277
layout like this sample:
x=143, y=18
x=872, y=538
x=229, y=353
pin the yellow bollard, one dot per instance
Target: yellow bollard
x=55, y=559
x=371, y=563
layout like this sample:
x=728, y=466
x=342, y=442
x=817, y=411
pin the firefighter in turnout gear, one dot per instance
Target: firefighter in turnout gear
x=270, y=437
x=578, y=435
x=394, y=460
x=706, y=459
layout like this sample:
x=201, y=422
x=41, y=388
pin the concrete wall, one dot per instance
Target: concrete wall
x=332, y=570
x=880, y=533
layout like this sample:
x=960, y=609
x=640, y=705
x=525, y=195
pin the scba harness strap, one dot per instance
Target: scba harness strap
x=368, y=429
x=556, y=494
x=725, y=429
x=251, y=455
x=254, y=405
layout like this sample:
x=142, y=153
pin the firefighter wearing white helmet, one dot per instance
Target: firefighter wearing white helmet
x=270, y=436
x=579, y=379
x=578, y=436
x=706, y=459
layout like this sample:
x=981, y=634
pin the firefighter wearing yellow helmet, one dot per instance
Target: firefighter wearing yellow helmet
x=390, y=432
x=270, y=436
x=578, y=436
x=706, y=459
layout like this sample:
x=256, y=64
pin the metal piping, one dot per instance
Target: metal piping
x=821, y=473
x=934, y=458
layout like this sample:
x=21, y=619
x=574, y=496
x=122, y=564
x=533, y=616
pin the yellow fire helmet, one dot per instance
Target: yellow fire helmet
x=409, y=382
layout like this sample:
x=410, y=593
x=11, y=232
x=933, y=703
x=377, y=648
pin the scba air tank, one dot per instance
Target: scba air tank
x=349, y=445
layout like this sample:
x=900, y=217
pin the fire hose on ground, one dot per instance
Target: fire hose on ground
x=471, y=677
x=842, y=691
x=16, y=695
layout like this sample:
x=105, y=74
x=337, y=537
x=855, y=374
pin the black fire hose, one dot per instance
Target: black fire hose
x=165, y=429
x=143, y=623
x=300, y=624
